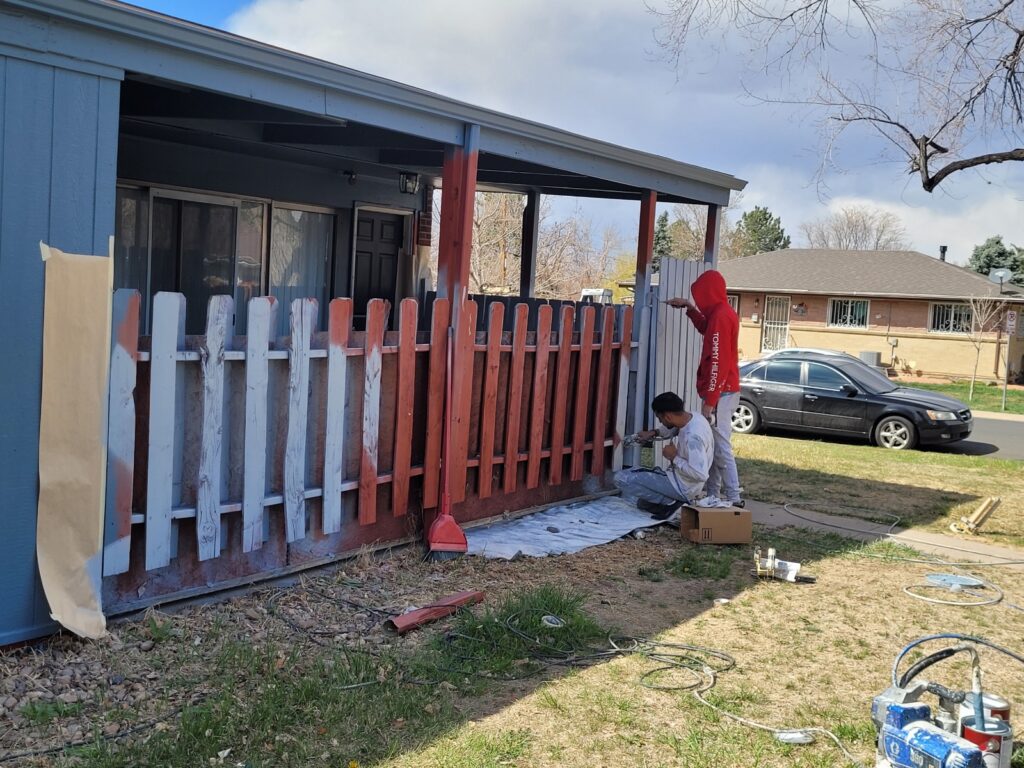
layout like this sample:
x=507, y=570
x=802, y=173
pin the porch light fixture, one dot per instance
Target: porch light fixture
x=409, y=183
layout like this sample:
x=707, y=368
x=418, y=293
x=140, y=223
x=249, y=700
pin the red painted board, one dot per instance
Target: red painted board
x=579, y=423
x=603, y=394
x=404, y=407
x=515, y=397
x=435, y=403
x=492, y=367
x=538, y=412
x=558, y=415
x=462, y=401
x=444, y=607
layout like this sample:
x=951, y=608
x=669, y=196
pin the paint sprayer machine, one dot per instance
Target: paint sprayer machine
x=964, y=729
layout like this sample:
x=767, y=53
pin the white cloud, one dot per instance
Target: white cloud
x=587, y=66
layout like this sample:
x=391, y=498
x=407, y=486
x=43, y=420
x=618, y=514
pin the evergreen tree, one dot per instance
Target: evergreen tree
x=995, y=254
x=662, y=241
x=759, y=232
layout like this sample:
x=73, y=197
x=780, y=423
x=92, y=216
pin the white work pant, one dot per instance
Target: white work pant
x=723, y=480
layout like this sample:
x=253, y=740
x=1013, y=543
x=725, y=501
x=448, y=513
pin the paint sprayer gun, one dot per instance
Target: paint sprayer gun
x=639, y=438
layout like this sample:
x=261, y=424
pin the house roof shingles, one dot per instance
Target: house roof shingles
x=908, y=274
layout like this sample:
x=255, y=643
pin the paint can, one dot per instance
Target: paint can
x=995, y=706
x=994, y=739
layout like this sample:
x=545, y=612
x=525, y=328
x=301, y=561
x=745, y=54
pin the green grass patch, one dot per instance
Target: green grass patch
x=484, y=750
x=275, y=706
x=986, y=397
x=44, y=712
x=516, y=639
x=705, y=562
x=650, y=573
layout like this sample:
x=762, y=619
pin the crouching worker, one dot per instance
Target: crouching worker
x=690, y=449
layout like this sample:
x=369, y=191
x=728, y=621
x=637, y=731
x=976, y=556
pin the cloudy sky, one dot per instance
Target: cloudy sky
x=591, y=66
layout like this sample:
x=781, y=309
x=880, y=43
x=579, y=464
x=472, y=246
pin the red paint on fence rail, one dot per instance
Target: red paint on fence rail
x=558, y=416
x=404, y=409
x=435, y=402
x=579, y=434
x=375, y=319
x=516, y=372
x=538, y=412
x=492, y=368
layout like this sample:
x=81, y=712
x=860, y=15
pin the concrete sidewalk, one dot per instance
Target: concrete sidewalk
x=942, y=546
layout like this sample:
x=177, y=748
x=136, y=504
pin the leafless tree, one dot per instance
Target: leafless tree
x=570, y=256
x=939, y=82
x=857, y=228
x=986, y=314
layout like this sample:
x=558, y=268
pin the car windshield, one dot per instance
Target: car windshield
x=867, y=377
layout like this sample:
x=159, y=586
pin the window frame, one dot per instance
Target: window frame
x=843, y=376
x=800, y=378
x=733, y=300
x=867, y=313
x=952, y=305
x=214, y=197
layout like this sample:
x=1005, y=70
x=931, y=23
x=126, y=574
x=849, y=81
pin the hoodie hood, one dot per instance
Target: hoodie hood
x=708, y=290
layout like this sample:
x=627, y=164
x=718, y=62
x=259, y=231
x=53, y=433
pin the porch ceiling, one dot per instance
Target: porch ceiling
x=122, y=38
x=169, y=112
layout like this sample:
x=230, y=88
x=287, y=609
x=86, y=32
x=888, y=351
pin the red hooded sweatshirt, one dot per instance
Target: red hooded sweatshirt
x=718, y=371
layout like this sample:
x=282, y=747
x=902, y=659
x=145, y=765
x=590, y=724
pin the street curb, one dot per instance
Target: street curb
x=998, y=415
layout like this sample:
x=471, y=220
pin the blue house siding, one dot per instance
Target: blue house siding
x=58, y=148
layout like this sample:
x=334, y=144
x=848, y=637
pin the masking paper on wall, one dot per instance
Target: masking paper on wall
x=72, y=437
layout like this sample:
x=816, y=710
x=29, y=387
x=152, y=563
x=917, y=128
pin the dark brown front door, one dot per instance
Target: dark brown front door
x=379, y=239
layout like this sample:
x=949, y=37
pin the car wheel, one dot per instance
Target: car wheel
x=895, y=433
x=745, y=419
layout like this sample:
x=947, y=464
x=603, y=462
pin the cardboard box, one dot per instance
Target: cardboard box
x=728, y=525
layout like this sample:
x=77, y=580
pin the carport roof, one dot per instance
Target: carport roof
x=130, y=39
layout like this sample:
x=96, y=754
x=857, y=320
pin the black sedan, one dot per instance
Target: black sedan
x=836, y=394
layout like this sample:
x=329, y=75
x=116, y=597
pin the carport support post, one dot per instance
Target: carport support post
x=641, y=362
x=644, y=250
x=528, y=259
x=711, y=235
x=455, y=238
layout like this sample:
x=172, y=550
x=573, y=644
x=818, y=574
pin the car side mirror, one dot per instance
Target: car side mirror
x=849, y=390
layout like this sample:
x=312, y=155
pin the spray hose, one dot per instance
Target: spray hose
x=935, y=657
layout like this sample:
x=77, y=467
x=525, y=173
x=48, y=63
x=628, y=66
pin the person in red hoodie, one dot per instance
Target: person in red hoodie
x=718, y=379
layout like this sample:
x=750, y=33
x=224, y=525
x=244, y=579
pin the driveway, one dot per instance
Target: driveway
x=1000, y=437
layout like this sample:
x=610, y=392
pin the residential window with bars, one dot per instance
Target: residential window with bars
x=848, y=313
x=950, y=318
x=734, y=302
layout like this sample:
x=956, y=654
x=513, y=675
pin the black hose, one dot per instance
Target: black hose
x=926, y=662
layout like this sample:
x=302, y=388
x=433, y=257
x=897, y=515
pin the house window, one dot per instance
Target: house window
x=301, y=243
x=734, y=302
x=950, y=318
x=204, y=245
x=847, y=313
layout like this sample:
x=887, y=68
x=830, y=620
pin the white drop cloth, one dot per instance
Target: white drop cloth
x=559, y=530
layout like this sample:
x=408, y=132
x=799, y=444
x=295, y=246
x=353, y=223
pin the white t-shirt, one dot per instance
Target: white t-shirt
x=695, y=450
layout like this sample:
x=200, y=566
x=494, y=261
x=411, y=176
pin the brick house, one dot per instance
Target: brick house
x=912, y=309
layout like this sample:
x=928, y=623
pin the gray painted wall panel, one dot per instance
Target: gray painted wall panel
x=53, y=189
